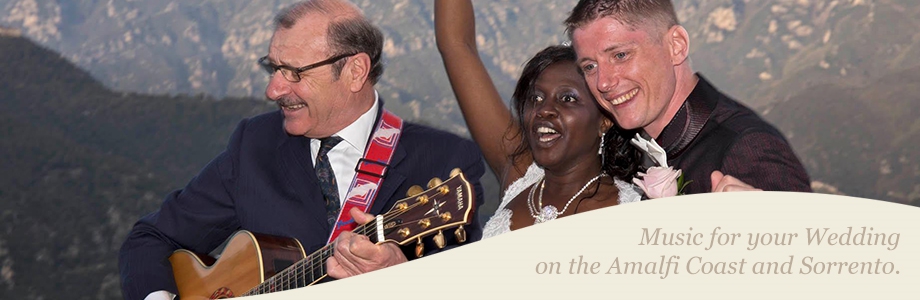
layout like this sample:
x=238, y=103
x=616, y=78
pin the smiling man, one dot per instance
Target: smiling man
x=635, y=57
x=306, y=170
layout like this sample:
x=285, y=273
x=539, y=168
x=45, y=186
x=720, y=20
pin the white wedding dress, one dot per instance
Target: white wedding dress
x=501, y=220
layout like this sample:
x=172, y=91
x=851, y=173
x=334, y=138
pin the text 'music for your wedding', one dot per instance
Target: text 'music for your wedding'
x=718, y=240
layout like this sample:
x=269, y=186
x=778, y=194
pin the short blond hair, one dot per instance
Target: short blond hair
x=659, y=14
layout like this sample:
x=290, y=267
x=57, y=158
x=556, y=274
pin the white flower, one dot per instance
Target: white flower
x=650, y=147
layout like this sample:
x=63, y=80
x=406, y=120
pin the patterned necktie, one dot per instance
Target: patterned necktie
x=327, y=178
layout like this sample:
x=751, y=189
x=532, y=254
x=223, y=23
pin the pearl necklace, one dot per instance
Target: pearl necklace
x=542, y=214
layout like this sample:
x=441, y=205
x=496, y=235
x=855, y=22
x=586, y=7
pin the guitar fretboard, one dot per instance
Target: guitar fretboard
x=308, y=270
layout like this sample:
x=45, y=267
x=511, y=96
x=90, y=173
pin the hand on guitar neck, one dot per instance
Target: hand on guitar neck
x=255, y=264
x=355, y=254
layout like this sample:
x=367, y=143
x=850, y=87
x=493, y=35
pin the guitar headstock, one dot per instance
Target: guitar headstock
x=443, y=206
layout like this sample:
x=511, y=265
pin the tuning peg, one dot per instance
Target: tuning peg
x=419, y=248
x=423, y=199
x=434, y=182
x=439, y=240
x=455, y=172
x=424, y=223
x=460, y=233
x=414, y=190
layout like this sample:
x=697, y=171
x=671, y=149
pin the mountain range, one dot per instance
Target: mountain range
x=759, y=51
x=106, y=106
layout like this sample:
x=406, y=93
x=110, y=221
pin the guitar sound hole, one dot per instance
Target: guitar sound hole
x=281, y=264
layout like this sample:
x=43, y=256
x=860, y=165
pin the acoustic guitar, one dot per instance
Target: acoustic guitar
x=253, y=264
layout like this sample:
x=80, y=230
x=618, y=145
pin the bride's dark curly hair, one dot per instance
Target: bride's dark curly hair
x=621, y=160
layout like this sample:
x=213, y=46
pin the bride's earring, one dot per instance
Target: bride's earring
x=600, y=149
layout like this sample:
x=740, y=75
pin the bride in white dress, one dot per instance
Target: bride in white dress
x=548, y=153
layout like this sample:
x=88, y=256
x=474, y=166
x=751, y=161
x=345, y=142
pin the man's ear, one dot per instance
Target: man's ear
x=678, y=41
x=356, y=71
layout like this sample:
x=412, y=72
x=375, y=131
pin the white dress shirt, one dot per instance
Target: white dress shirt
x=343, y=158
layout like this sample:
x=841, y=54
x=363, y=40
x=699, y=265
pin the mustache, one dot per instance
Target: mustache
x=289, y=101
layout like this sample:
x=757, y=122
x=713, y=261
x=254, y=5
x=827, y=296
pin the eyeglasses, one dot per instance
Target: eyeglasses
x=292, y=74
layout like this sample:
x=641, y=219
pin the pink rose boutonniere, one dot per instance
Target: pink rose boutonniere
x=660, y=181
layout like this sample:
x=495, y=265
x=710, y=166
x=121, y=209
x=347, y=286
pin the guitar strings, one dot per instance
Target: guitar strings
x=291, y=273
x=318, y=260
x=326, y=251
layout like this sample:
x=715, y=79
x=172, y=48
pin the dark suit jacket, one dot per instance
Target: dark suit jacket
x=713, y=132
x=264, y=182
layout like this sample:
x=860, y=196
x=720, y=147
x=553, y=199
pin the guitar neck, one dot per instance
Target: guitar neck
x=442, y=206
x=308, y=270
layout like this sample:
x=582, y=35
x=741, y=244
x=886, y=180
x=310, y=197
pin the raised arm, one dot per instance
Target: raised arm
x=486, y=115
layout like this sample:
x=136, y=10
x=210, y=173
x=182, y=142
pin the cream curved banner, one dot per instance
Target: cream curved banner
x=744, y=245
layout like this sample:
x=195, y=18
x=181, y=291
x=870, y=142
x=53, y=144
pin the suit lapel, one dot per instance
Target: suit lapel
x=391, y=182
x=693, y=114
x=301, y=178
